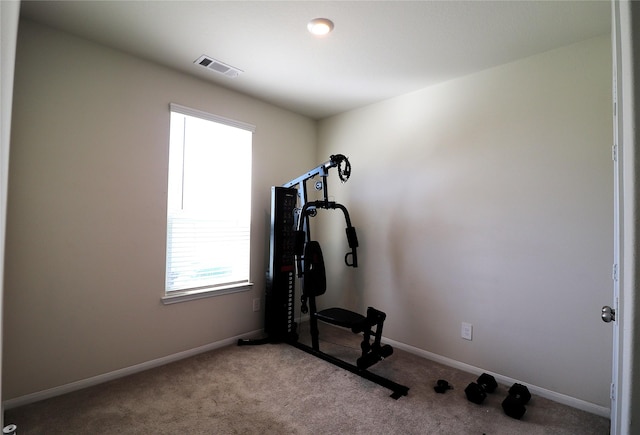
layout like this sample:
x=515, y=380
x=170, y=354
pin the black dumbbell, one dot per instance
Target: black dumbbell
x=477, y=391
x=513, y=405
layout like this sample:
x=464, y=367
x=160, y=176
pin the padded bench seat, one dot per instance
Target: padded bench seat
x=341, y=317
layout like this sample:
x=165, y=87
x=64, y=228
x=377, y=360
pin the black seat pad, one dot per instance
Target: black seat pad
x=341, y=317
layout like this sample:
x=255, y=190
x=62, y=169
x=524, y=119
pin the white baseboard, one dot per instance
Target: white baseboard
x=95, y=380
x=89, y=382
x=542, y=392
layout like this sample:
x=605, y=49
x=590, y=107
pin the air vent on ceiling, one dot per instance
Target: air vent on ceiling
x=217, y=66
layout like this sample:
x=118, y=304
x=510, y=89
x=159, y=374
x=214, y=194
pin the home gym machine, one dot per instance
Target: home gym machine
x=291, y=250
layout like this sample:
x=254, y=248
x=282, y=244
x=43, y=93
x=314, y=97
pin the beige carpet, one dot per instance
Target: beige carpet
x=278, y=389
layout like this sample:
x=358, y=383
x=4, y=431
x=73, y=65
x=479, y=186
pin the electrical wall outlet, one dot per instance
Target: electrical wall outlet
x=256, y=304
x=466, y=331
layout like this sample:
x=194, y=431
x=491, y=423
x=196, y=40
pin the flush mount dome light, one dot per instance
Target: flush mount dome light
x=320, y=26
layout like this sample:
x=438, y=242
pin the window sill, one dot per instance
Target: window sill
x=191, y=295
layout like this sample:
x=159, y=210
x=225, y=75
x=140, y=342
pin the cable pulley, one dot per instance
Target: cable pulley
x=343, y=165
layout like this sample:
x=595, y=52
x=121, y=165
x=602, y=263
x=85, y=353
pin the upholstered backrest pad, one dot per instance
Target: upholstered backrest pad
x=315, y=280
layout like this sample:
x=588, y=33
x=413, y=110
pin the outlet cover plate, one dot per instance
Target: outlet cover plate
x=467, y=331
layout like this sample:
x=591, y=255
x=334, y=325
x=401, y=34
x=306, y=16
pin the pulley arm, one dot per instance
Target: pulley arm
x=337, y=160
x=350, y=258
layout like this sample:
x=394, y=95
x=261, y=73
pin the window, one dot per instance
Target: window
x=208, y=205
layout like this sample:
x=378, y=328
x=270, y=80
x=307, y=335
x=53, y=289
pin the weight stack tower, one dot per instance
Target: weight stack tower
x=280, y=293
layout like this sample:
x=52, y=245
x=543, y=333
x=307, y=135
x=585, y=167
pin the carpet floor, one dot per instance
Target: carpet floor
x=279, y=389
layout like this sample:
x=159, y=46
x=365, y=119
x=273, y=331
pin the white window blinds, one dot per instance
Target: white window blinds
x=209, y=202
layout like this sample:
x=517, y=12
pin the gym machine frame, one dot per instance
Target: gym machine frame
x=290, y=231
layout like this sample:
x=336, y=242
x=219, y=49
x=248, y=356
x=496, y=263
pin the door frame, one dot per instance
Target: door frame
x=624, y=364
x=618, y=214
x=9, y=17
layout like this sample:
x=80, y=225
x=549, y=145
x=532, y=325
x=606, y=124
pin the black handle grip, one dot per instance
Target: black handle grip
x=351, y=258
x=352, y=237
x=298, y=247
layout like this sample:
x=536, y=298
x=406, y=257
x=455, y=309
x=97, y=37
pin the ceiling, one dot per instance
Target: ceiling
x=378, y=49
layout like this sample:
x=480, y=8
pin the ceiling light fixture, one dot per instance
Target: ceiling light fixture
x=320, y=26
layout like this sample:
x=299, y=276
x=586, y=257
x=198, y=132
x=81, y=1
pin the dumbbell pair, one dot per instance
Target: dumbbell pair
x=477, y=391
x=513, y=405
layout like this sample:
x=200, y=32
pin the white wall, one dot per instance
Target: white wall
x=488, y=199
x=87, y=211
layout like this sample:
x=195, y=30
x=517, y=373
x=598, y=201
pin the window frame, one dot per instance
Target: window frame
x=175, y=296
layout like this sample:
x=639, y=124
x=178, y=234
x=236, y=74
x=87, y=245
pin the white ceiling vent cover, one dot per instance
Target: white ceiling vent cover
x=217, y=66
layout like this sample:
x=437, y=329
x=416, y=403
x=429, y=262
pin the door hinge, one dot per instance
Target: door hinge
x=613, y=391
x=614, y=272
x=614, y=152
